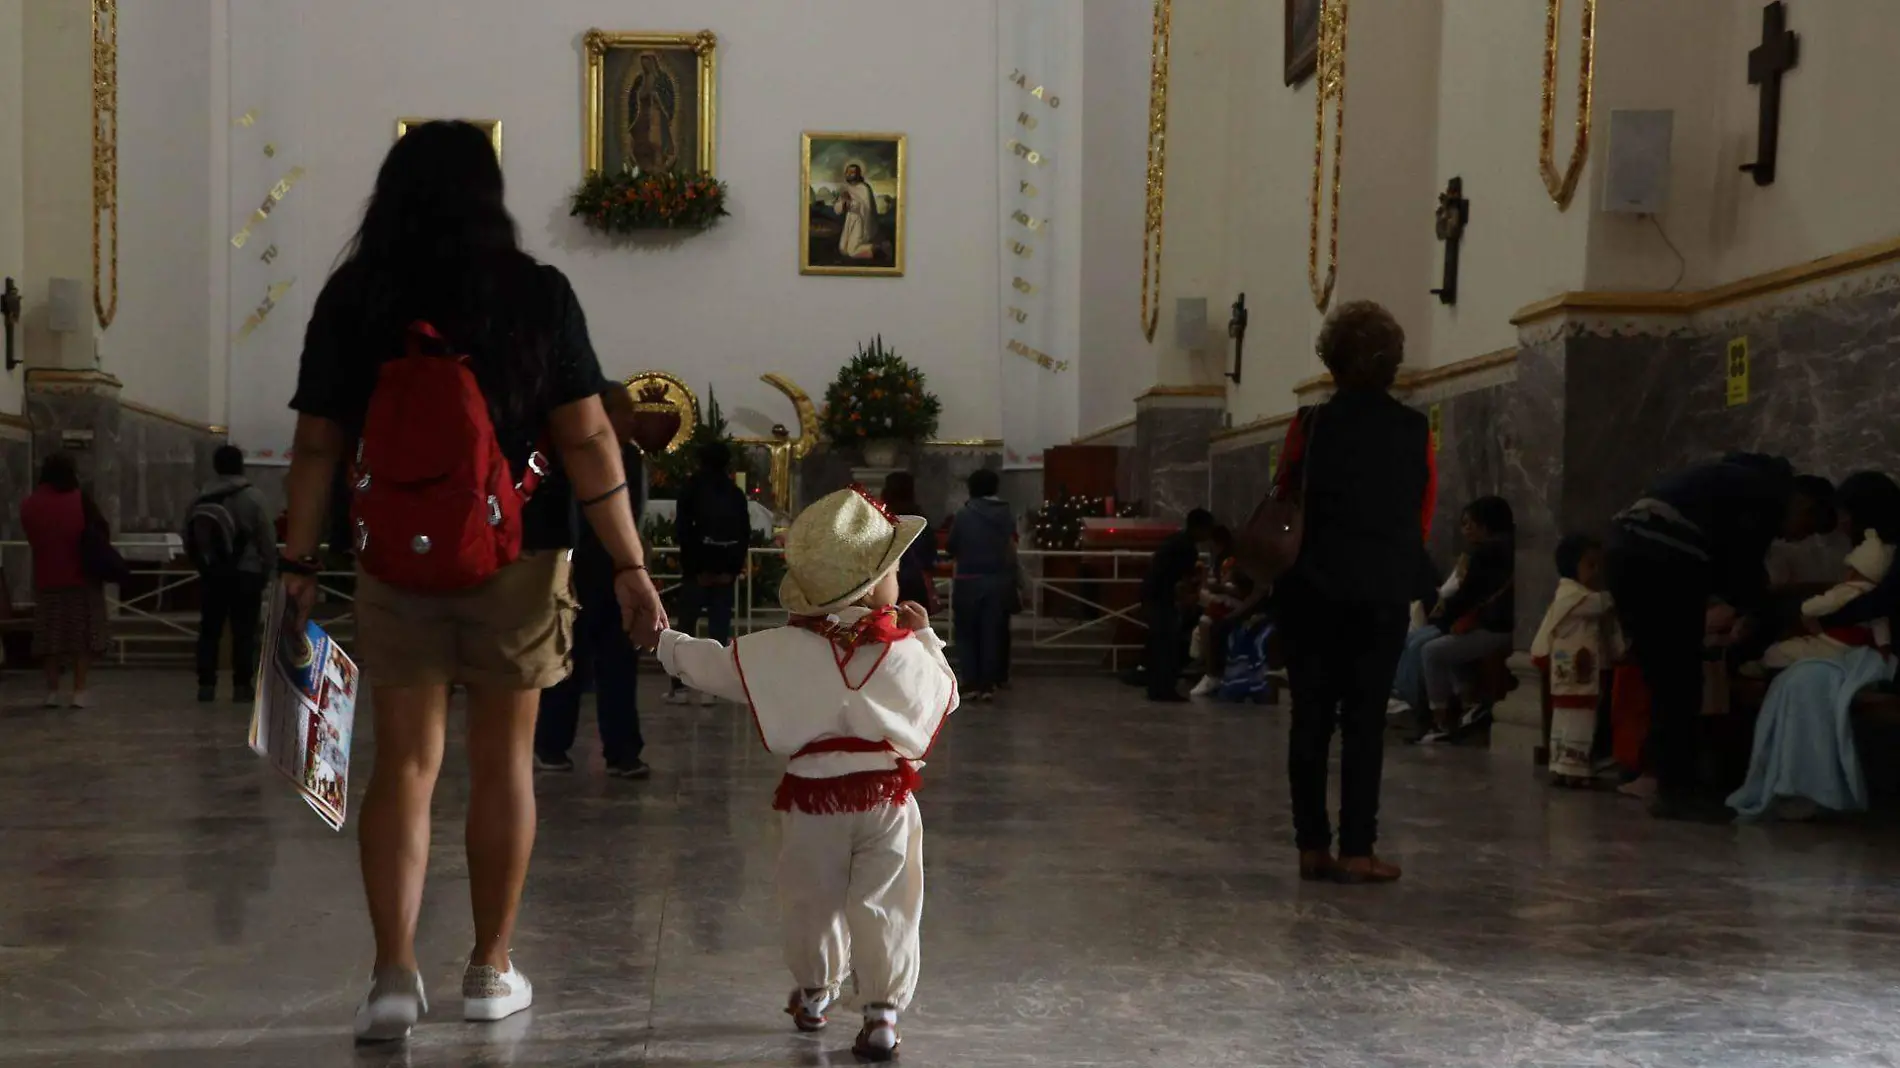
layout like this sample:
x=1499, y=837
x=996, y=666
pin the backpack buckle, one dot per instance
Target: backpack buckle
x=537, y=470
x=494, y=510
x=362, y=535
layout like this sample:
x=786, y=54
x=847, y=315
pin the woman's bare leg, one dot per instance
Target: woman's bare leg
x=80, y=665
x=50, y=665
x=501, y=814
x=394, y=839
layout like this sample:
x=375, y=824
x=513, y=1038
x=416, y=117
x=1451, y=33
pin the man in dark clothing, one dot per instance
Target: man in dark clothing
x=1699, y=537
x=1173, y=564
x=604, y=658
x=714, y=526
x=234, y=544
x=983, y=544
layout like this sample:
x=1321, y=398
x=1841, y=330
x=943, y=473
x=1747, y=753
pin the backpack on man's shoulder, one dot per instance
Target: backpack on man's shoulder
x=436, y=507
x=214, y=540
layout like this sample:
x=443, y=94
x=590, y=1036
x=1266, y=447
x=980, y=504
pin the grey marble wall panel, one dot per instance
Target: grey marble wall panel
x=1238, y=479
x=940, y=472
x=163, y=466
x=1471, y=464
x=1531, y=449
x=1170, y=458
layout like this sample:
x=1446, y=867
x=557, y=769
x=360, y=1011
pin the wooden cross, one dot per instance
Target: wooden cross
x=1454, y=211
x=10, y=315
x=1777, y=54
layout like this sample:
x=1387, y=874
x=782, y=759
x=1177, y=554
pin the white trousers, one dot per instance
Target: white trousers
x=851, y=893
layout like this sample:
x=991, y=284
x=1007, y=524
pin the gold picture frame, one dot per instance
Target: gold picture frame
x=491, y=127
x=826, y=213
x=621, y=61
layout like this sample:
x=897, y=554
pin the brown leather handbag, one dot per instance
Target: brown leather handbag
x=1268, y=545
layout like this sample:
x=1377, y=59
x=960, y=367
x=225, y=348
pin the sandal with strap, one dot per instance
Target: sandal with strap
x=807, y=1009
x=878, y=1040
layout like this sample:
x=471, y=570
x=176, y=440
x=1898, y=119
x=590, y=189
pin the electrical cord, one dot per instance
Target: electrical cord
x=1682, y=262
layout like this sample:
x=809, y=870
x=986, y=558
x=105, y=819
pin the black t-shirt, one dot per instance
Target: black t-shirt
x=338, y=373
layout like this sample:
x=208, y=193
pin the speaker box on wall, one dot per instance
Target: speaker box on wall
x=1637, y=179
x=1190, y=323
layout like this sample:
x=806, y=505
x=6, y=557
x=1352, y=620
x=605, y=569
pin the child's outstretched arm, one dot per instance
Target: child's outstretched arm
x=706, y=666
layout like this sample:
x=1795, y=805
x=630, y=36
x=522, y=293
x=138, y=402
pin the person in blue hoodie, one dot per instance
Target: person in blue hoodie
x=983, y=544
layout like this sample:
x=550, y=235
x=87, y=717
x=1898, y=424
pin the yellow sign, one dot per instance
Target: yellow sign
x=1437, y=416
x=1738, y=372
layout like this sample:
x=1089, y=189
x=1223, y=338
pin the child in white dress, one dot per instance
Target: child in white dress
x=1866, y=566
x=1578, y=640
x=853, y=690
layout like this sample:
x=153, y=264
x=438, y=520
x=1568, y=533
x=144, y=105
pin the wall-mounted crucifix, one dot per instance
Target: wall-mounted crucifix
x=1237, y=329
x=10, y=315
x=1454, y=211
x=1777, y=54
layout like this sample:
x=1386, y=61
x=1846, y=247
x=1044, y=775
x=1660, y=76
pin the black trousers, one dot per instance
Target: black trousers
x=1662, y=599
x=1162, y=664
x=981, y=605
x=1341, y=658
x=236, y=600
x=606, y=661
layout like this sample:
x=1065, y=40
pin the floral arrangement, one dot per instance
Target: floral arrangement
x=879, y=396
x=633, y=201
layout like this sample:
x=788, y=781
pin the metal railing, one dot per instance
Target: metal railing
x=1076, y=604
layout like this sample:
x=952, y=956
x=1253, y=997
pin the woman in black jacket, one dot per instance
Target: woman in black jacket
x=1364, y=463
x=1477, y=619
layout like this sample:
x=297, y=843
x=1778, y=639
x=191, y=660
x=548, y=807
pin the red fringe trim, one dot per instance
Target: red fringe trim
x=860, y=792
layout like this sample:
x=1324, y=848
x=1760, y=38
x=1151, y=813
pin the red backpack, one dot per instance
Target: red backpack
x=437, y=508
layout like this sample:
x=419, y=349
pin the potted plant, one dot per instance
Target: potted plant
x=634, y=201
x=877, y=404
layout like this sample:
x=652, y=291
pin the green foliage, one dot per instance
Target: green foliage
x=631, y=202
x=879, y=395
x=667, y=475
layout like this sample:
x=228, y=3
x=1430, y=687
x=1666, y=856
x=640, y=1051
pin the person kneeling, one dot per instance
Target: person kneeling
x=854, y=690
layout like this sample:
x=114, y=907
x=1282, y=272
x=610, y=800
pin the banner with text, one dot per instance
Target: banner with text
x=1039, y=104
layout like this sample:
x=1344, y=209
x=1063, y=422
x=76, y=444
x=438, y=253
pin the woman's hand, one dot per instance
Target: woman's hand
x=913, y=617
x=300, y=592
x=642, y=615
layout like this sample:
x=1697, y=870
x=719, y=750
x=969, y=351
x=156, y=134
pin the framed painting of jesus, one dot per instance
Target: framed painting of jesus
x=1302, y=39
x=851, y=195
x=651, y=102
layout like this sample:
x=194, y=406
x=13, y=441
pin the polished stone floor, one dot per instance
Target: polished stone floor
x=1110, y=884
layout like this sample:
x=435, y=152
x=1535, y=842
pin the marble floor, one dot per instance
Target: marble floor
x=1110, y=884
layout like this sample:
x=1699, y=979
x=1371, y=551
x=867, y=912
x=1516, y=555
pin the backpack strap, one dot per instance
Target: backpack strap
x=422, y=336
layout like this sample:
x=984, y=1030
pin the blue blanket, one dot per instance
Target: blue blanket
x=1804, y=740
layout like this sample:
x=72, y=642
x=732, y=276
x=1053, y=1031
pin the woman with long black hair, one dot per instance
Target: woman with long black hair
x=438, y=246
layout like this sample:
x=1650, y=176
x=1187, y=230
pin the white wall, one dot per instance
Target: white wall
x=723, y=306
x=56, y=65
x=1115, y=360
x=1518, y=248
x=160, y=345
x=1835, y=186
x=12, y=174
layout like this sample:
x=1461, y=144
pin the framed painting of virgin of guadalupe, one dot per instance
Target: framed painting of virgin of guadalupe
x=651, y=102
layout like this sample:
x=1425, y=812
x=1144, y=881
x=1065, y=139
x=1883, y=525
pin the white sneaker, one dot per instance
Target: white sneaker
x=81, y=699
x=53, y=700
x=1396, y=708
x=391, y=1008
x=1207, y=685
x=489, y=995
x=707, y=700
x=878, y=1040
x=677, y=697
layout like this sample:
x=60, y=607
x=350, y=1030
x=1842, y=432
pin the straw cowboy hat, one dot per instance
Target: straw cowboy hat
x=838, y=548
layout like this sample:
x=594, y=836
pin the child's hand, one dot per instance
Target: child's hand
x=912, y=616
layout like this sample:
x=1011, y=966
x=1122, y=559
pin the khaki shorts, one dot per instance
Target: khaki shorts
x=516, y=631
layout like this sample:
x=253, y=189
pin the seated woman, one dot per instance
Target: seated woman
x=1478, y=619
x=1408, y=685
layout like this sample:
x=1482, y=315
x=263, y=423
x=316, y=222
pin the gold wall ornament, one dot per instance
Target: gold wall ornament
x=781, y=447
x=660, y=393
x=105, y=160
x=1330, y=85
x=1151, y=229
x=1563, y=186
x=616, y=150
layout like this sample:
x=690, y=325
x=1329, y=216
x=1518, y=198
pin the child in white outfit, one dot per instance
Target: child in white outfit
x=1866, y=566
x=853, y=691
